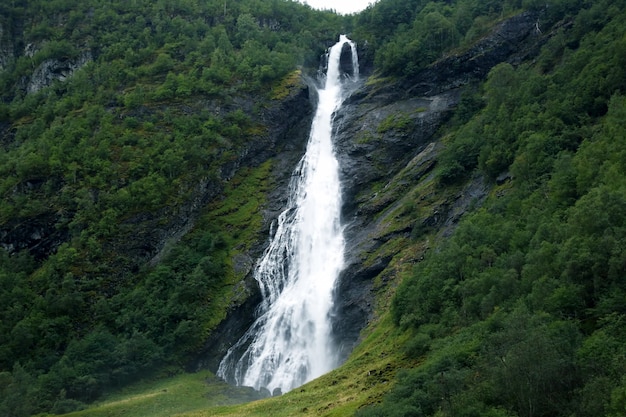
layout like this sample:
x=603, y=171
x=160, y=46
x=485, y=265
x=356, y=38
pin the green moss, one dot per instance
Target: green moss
x=400, y=122
x=284, y=87
x=364, y=137
x=238, y=215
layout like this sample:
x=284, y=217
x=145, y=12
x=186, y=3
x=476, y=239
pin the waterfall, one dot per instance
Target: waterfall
x=290, y=342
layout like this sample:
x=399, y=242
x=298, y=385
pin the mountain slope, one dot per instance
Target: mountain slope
x=483, y=170
x=123, y=127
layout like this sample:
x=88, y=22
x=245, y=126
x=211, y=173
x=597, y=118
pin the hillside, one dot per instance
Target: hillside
x=146, y=148
x=138, y=140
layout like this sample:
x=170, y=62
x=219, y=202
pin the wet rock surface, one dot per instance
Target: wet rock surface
x=288, y=128
x=382, y=130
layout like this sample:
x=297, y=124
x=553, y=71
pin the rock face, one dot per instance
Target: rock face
x=512, y=41
x=52, y=70
x=38, y=235
x=346, y=68
x=6, y=47
x=386, y=135
x=345, y=61
x=370, y=155
x=289, y=123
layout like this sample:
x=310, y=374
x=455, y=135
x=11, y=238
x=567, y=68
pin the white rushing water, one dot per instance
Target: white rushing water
x=290, y=343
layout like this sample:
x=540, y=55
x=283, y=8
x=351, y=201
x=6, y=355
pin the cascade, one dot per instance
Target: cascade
x=290, y=342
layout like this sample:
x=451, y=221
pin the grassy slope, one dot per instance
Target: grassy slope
x=363, y=379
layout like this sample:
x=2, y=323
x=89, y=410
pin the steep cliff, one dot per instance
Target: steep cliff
x=388, y=141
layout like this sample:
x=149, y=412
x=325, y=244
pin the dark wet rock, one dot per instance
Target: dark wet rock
x=512, y=41
x=366, y=58
x=238, y=320
x=288, y=123
x=369, y=155
x=345, y=61
x=7, y=54
x=38, y=235
x=386, y=138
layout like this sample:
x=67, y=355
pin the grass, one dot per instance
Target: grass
x=239, y=212
x=398, y=122
x=362, y=380
x=284, y=87
x=183, y=393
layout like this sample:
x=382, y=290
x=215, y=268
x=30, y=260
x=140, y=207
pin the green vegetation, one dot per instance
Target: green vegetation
x=520, y=312
x=184, y=393
x=397, y=122
x=364, y=378
x=282, y=89
x=108, y=159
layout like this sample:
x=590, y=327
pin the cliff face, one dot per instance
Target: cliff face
x=52, y=70
x=148, y=233
x=387, y=142
x=289, y=123
x=6, y=47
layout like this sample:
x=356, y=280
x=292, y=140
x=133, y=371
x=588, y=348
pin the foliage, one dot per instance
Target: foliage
x=520, y=312
x=409, y=35
x=109, y=156
x=399, y=122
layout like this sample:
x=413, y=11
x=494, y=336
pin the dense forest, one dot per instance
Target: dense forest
x=521, y=311
x=154, y=111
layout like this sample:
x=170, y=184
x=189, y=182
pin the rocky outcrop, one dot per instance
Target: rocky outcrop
x=386, y=139
x=513, y=40
x=12, y=46
x=345, y=61
x=55, y=69
x=288, y=123
x=6, y=47
x=375, y=140
x=38, y=235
